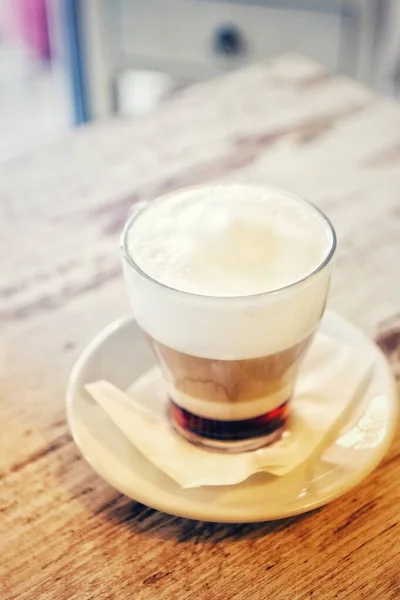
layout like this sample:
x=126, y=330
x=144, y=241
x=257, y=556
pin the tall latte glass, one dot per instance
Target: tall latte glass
x=229, y=283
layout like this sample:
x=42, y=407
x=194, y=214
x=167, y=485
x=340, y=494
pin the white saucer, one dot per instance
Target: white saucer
x=120, y=354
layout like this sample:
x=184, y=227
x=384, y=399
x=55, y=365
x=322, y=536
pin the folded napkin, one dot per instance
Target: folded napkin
x=327, y=392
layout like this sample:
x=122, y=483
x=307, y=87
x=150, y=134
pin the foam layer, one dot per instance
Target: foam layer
x=227, y=245
x=228, y=240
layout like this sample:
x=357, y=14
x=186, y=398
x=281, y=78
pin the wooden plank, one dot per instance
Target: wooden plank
x=64, y=533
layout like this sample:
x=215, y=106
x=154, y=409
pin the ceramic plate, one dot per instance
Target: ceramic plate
x=120, y=354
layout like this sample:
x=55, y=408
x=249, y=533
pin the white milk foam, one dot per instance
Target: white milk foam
x=228, y=241
x=227, y=245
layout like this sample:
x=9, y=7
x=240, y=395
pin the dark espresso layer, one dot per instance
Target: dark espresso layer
x=229, y=431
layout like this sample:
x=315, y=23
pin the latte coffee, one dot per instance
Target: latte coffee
x=229, y=283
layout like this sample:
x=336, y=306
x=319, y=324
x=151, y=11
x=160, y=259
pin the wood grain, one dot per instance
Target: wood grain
x=64, y=533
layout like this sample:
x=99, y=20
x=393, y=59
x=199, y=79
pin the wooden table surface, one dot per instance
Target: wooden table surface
x=64, y=533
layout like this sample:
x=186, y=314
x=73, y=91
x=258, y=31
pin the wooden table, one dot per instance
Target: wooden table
x=64, y=533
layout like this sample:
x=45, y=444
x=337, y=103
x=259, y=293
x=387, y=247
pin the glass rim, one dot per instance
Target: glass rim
x=323, y=263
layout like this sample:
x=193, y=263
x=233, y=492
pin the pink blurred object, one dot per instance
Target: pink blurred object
x=27, y=22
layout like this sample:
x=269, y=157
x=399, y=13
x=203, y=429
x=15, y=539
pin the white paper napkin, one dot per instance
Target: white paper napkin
x=329, y=384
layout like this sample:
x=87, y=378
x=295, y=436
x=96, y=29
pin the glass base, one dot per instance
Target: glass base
x=230, y=436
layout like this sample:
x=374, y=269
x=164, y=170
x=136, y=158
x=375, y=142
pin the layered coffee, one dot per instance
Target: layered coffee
x=229, y=283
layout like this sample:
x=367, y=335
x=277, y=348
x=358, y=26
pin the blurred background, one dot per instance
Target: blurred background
x=65, y=63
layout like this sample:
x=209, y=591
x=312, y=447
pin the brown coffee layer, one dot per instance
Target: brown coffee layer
x=231, y=381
